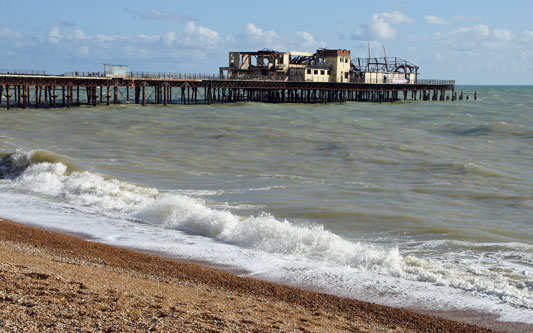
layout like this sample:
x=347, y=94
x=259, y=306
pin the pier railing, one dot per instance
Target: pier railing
x=22, y=71
x=256, y=78
x=353, y=80
x=439, y=82
x=196, y=76
x=165, y=75
x=85, y=74
x=150, y=75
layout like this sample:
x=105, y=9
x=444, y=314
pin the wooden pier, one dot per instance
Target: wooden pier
x=75, y=89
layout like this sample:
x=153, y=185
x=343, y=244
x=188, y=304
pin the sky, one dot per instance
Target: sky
x=472, y=42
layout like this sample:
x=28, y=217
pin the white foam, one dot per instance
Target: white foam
x=268, y=247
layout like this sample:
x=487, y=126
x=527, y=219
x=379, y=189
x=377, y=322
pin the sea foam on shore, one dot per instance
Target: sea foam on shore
x=308, y=255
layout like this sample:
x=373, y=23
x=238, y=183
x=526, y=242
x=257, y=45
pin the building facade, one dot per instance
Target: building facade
x=324, y=65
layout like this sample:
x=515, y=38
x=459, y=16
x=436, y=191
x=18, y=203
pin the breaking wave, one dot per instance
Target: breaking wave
x=58, y=178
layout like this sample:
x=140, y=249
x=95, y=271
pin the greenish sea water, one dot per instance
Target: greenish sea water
x=433, y=200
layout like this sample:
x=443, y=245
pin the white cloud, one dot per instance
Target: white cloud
x=259, y=35
x=394, y=17
x=54, y=36
x=197, y=35
x=307, y=41
x=76, y=34
x=528, y=34
x=502, y=34
x=6, y=33
x=255, y=37
x=475, y=38
x=379, y=27
x=432, y=19
x=169, y=38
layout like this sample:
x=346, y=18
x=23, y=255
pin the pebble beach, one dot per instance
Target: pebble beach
x=56, y=282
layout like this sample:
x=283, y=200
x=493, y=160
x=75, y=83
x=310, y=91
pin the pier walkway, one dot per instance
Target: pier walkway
x=36, y=89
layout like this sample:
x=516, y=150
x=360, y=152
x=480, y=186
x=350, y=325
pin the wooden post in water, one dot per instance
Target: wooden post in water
x=8, y=96
x=475, y=95
x=78, y=96
x=144, y=95
x=54, y=97
x=69, y=95
x=107, y=96
x=23, y=96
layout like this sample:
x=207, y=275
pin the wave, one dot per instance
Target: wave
x=13, y=164
x=46, y=173
x=498, y=129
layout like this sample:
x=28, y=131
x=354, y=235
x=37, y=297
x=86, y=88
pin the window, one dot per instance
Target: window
x=346, y=60
x=346, y=75
x=341, y=59
x=321, y=72
x=308, y=71
x=316, y=71
x=329, y=72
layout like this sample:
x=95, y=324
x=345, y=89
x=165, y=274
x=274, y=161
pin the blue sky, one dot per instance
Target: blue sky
x=473, y=42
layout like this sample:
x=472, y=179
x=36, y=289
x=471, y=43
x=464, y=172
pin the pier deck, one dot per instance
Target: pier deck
x=38, y=90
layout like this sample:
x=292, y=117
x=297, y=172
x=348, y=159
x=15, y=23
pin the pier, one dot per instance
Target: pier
x=264, y=76
x=35, y=89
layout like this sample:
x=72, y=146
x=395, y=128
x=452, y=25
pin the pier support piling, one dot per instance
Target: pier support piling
x=8, y=96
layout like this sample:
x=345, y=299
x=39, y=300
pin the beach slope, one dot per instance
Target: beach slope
x=56, y=282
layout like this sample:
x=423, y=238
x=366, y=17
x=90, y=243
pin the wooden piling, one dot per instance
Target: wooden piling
x=8, y=95
x=23, y=88
x=54, y=97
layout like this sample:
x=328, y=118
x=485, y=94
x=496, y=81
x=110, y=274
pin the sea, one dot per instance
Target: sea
x=420, y=205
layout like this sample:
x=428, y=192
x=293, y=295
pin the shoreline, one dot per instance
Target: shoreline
x=227, y=301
